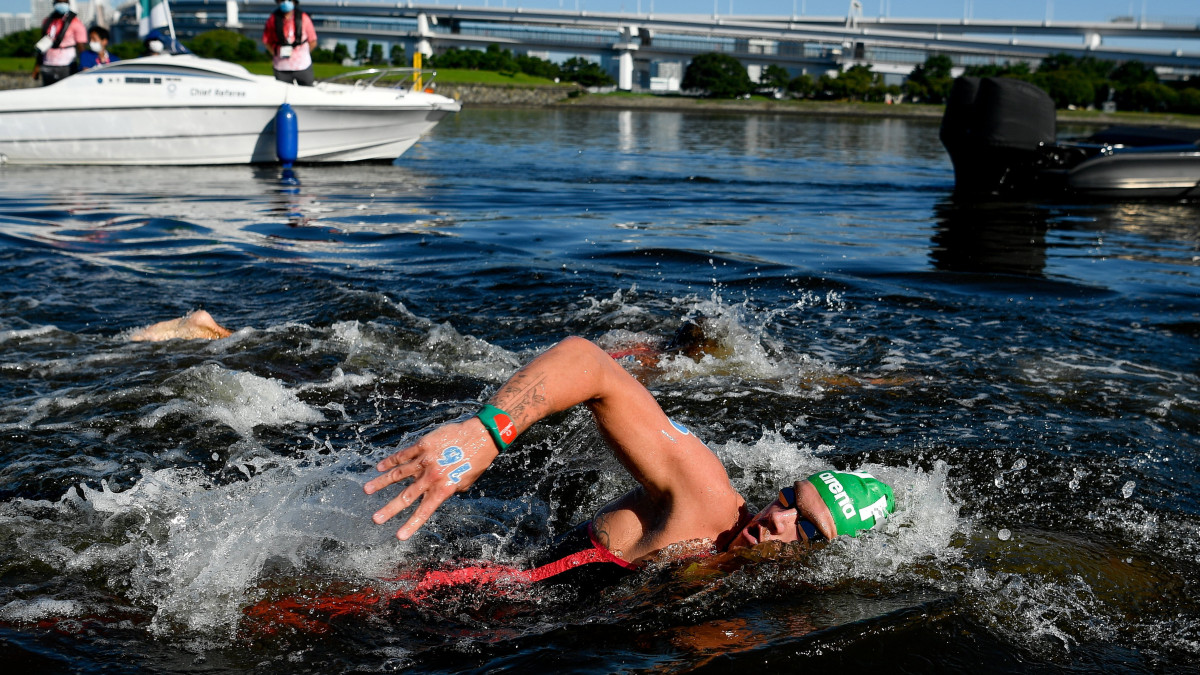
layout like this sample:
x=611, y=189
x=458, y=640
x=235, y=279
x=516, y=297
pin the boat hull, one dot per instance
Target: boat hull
x=179, y=111
x=1147, y=175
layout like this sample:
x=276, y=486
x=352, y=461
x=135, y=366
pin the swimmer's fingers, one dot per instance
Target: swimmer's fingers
x=449, y=459
x=440, y=487
x=416, y=459
x=396, y=468
x=429, y=503
x=402, y=501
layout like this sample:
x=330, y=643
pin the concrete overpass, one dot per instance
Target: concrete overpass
x=633, y=46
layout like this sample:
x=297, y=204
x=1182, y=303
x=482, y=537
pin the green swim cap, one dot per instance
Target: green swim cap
x=857, y=500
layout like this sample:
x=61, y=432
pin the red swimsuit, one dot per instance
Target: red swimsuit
x=576, y=559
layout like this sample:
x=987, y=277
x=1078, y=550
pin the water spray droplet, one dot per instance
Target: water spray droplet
x=1127, y=489
x=1019, y=464
x=1004, y=534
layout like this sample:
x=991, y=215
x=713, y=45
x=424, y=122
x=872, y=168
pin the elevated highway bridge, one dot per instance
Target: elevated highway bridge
x=635, y=47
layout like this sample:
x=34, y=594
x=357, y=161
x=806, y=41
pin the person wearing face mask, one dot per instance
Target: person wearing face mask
x=154, y=45
x=63, y=37
x=290, y=37
x=97, y=52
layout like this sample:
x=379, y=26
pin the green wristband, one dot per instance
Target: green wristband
x=500, y=425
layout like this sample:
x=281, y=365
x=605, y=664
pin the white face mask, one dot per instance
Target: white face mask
x=96, y=47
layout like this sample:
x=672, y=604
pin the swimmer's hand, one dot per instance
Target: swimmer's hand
x=446, y=460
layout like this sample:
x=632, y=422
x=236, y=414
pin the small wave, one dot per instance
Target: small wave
x=25, y=333
x=241, y=401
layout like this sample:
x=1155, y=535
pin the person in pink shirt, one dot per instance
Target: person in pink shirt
x=63, y=37
x=291, y=48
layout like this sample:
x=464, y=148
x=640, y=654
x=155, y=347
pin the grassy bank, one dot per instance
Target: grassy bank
x=10, y=64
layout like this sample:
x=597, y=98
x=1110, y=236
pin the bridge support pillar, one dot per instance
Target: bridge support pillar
x=231, y=14
x=625, y=71
x=1091, y=41
x=423, y=33
x=625, y=49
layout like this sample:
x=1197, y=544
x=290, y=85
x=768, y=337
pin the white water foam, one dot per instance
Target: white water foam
x=241, y=401
x=201, y=549
x=27, y=611
x=25, y=333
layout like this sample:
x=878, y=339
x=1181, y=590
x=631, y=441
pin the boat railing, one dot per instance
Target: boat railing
x=409, y=79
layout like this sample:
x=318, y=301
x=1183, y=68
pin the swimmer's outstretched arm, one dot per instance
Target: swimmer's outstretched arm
x=199, y=325
x=672, y=466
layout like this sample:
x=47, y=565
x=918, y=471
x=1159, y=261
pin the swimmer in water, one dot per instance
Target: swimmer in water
x=699, y=338
x=684, y=492
x=199, y=325
x=684, y=496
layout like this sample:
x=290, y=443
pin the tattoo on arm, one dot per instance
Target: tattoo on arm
x=524, y=401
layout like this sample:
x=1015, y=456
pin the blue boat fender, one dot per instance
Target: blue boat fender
x=287, y=135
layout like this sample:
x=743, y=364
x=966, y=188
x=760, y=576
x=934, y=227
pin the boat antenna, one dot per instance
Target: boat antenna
x=170, y=25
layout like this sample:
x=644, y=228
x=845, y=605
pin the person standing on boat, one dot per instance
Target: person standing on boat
x=63, y=37
x=97, y=52
x=290, y=37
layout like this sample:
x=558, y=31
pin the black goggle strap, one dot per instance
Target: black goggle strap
x=787, y=497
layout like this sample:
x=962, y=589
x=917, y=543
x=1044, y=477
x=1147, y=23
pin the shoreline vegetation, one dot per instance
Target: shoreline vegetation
x=488, y=88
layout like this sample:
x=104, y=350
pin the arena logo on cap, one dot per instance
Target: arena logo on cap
x=839, y=494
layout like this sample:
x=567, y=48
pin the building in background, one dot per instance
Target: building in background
x=12, y=23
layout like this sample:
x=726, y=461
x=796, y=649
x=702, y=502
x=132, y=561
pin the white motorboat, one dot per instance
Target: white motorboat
x=184, y=109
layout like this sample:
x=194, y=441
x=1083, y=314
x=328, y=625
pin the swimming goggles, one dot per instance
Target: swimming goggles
x=787, y=497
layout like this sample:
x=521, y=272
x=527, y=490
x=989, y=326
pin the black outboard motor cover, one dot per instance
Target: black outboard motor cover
x=994, y=129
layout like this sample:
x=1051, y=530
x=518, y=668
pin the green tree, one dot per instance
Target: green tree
x=720, y=75
x=585, y=73
x=360, y=49
x=1189, y=101
x=1149, y=97
x=457, y=58
x=1019, y=70
x=341, y=52
x=855, y=83
x=1068, y=87
x=1067, y=79
x=498, y=59
x=226, y=45
x=930, y=82
x=1132, y=73
x=396, y=57
x=323, y=56
x=775, y=77
x=376, y=54
x=802, y=86
x=127, y=50
x=20, y=43
x=532, y=65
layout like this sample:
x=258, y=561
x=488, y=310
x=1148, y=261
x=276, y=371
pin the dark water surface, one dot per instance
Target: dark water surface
x=1024, y=375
